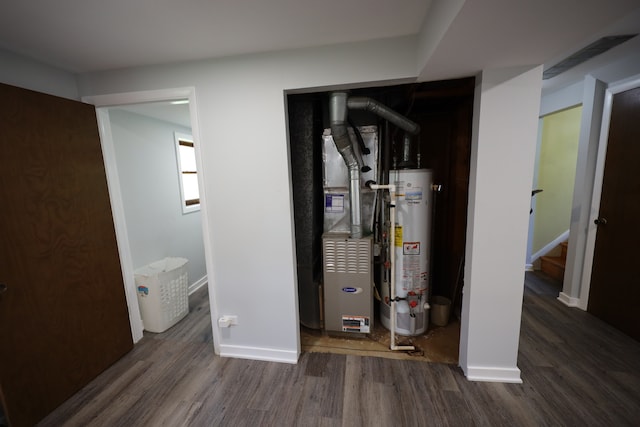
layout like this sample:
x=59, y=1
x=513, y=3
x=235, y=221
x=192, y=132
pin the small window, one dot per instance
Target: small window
x=188, y=172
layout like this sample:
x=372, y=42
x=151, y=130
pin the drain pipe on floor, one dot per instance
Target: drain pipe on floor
x=392, y=244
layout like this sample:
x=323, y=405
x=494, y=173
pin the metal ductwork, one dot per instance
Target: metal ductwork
x=339, y=103
x=410, y=128
x=407, y=161
x=362, y=103
x=340, y=135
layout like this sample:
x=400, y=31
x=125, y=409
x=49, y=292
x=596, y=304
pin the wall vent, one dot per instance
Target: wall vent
x=594, y=49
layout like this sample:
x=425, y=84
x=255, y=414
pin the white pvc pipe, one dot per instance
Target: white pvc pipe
x=392, y=240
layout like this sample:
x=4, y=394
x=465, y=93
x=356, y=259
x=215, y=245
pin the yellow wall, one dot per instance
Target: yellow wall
x=556, y=174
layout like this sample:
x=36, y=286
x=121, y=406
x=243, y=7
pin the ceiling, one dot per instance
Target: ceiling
x=92, y=35
x=96, y=35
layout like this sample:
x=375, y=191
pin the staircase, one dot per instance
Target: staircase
x=553, y=266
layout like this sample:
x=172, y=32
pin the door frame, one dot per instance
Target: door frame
x=102, y=103
x=613, y=89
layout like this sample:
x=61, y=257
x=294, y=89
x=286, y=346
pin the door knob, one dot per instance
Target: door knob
x=600, y=221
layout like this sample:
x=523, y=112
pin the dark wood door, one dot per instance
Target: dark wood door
x=63, y=314
x=615, y=283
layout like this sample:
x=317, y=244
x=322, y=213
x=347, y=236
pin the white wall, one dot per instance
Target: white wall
x=147, y=167
x=503, y=149
x=562, y=99
x=26, y=73
x=241, y=123
x=240, y=104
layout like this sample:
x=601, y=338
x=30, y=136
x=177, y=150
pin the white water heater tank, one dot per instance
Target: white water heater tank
x=412, y=251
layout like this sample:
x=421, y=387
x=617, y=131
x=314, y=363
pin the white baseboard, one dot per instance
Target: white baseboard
x=198, y=284
x=550, y=246
x=258, y=353
x=493, y=374
x=568, y=301
x=528, y=267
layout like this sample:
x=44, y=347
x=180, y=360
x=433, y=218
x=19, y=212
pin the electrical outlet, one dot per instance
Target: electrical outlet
x=227, y=321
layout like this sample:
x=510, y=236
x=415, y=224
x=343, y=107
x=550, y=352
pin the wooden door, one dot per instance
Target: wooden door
x=63, y=314
x=615, y=282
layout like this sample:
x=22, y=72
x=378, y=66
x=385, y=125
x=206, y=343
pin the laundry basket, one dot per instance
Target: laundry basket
x=163, y=293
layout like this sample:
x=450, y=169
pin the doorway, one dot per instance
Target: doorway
x=609, y=278
x=146, y=138
x=554, y=176
x=444, y=112
x=140, y=133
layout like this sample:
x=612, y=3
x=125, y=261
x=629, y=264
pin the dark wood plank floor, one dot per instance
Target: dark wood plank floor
x=576, y=370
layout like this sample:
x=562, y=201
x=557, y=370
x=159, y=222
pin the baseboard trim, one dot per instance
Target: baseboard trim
x=198, y=284
x=528, y=267
x=568, y=301
x=494, y=375
x=259, y=353
x=550, y=246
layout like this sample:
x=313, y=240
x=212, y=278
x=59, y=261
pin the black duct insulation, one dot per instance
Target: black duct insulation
x=304, y=127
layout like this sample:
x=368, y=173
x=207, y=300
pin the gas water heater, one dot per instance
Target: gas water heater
x=411, y=248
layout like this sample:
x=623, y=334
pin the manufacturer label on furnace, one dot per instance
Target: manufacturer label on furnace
x=355, y=324
x=334, y=203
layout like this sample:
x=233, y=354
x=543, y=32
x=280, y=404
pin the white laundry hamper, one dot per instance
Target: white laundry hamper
x=162, y=289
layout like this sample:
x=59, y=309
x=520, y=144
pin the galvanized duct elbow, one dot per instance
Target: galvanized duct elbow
x=340, y=135
x=339, y=103
x=363, y=103
x=410, y=127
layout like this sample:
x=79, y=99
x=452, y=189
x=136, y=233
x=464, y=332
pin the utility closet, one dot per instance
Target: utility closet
x=380, y=187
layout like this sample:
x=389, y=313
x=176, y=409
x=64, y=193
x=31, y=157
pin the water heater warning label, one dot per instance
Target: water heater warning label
x=334, y=203
x=398, y=236
x=411, y=248
x=355, y=324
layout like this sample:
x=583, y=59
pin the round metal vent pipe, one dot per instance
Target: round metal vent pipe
x=340, y=135
x=363, y=103
x=339, y=103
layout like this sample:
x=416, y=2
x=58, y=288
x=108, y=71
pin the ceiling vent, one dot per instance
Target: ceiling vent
x=594, y=49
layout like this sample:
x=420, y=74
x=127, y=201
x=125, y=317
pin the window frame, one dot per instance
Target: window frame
x=190, y=205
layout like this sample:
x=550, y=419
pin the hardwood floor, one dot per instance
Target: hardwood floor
x=576, y=371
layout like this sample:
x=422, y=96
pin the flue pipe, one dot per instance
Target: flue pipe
x=410, y=127
x=340, y=135
x=369, y=104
